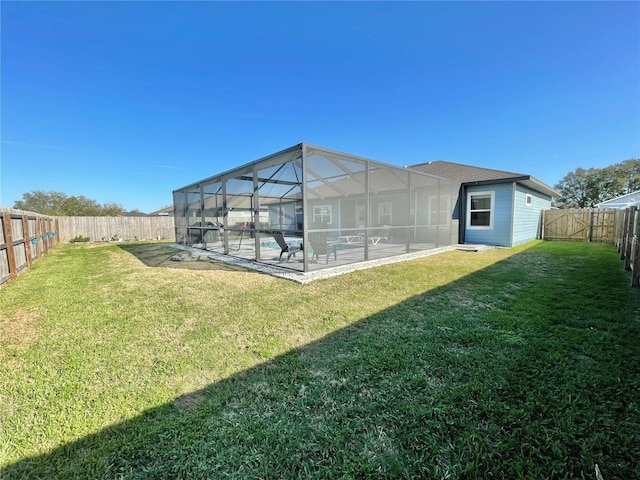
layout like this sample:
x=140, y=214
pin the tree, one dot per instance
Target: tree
x=585, y=188
x=41, y=202
x=60, y=204
x=113, y=209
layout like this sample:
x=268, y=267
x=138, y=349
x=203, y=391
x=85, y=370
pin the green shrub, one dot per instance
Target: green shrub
x=79, y=239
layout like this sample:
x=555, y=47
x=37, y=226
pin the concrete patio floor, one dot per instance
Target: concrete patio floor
x=348, y=260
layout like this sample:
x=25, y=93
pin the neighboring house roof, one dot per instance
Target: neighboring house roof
x=470, y=175
x=164, y=211
x=135, y=214
x=622, y=201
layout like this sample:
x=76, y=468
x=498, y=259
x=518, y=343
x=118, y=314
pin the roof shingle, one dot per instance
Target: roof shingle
x=463, y=173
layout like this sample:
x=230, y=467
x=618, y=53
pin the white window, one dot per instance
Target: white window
x=480, y=210
x=528, y=200
x=322, y=214
x=384, y=213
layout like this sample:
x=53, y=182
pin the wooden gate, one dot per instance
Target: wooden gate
x=579, y=224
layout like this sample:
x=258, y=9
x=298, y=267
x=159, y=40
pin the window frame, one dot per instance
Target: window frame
x=491, y=209
x=528, y=200
x=319, y=217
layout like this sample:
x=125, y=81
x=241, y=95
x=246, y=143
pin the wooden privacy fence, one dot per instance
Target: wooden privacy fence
x=628, y=233
x=24, y=238
x=620, y=227
x=100, y=229
x=581, y=224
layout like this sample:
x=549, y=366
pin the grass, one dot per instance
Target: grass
x=510, y=363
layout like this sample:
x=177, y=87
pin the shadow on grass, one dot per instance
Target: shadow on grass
x=526, y=369
x=160, y=255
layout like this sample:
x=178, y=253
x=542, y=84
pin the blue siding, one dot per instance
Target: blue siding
x=514, y=222
x=527, y=218
x=500, y=234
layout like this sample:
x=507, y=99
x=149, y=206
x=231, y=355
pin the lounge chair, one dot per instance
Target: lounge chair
x=284, y=247
x=383, y=234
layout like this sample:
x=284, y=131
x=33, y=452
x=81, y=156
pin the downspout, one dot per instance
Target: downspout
x=410, y=219
x=513, y=214
x=462, y=209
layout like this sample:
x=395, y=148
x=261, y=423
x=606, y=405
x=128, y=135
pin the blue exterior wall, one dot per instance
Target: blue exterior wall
x=514, y=222
x=527, y=218
x=500, y=233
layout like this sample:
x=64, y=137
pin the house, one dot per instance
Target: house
x=621, y=202
x=494, y=207
x=307, y=208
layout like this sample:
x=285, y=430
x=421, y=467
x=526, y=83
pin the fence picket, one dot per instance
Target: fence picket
x=125, y=228
x=580, y=225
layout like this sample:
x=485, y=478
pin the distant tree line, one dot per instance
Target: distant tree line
x=60, y=204
x=586, y=188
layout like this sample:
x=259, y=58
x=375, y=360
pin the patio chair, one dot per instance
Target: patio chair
x=242, y=228
x=196, y=233
x=318, y=241
x=284, y=247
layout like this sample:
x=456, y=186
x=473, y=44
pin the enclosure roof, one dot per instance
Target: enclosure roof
x=241, y=167
x=470, y=175
x=299, y=147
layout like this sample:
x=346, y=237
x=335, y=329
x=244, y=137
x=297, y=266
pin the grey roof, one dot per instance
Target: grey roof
x=163, y=211
x=462, y=173
x=470, y=175
x=622, y=201
x=134, y=214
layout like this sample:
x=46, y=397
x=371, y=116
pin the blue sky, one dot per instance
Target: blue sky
x=123, y=102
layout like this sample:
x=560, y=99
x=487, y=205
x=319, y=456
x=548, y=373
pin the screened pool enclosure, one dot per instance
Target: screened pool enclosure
x=307, y=208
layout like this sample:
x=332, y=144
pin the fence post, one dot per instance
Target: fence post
x=27, y=239
x=635, y=251
x=48, y=230
x=623, y=233
x=628, y=238
x=619, y=228
x=8, y=238
x=56, y=227
x=39, y=243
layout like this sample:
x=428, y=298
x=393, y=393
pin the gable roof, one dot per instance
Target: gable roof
x=470, y=175
x=623, y=201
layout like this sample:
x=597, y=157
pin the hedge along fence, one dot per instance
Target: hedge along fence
x=101, y=229
x=24, y=238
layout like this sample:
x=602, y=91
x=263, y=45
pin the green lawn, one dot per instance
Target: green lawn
x=511, y=363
